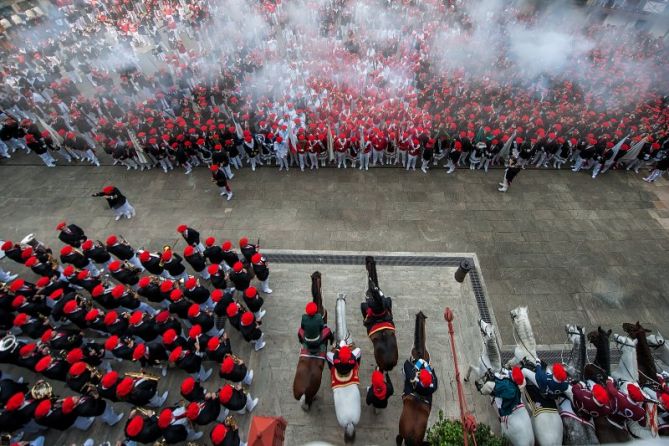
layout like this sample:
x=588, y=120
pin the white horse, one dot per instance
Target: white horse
x=346, y=398
x=490, y=358
x=516, y=427
x=546, y=421
x=657, y=343
x=526, y=345
x=628, y=371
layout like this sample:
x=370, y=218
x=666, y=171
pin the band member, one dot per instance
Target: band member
x=172, y=263
x=140, y=391
x=250, y=330
x=190, y=362
x=234, y=399
x=380, y=391
x=240, y=277
x=192, y=390
x=96, y=252
x=121, y=347
x=126, y=274
x=107, y=386
x=234, y=370
x=226, y=434
x=203, y=319
x=217, y=276
x=205, y=411
x=165, y=321
x=218, y=177
x=142, y=326
x=93, y=405
x=234, y=313
x=151, y=355
x=172, y=339
x=212, y=252
x=509, y=174
x=259, y=264
x=197, y=293
x=60, y=415
x=152, y=263
x=254, y=302
x=122, y=251
x=420, y=378
x=70, y=234
x=174, y=425
x=31, y=326
x=81, y=375
x=13, y=251
x=85, y=280
x=313, y=334
x=117, y=202
x=218, y=348
x=221, y=299
x=191, y=236
x=149, y=288
x=230, y=257
x=248, y=249
x=197, y=261
x=142, y=427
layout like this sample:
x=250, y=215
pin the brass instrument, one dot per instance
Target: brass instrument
x=36, y=245
x=41, y=390
x=230, y=422
x=143, y=375
x=143, y=411
x=8, y=343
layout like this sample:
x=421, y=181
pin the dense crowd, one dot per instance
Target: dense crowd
x=96, y=303
x=350, y=83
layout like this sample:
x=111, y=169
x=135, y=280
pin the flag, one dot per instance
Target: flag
x=330, y=145
x=617, y=147
x=54, y=134
x=480, y=135
x=504, y=153
x=141, y=156
x=634, y=151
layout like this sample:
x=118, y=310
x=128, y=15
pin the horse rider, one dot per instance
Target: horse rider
x=344, y=363
x=505, y=388
x=376, y=308
x=313, y=334
x=551, y=384
x=420, y=379
x=380, y=391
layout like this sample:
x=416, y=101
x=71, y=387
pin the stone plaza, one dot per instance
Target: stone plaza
x=572, y=250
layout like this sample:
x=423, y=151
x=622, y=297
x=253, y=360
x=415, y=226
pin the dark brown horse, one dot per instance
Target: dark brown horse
x=382, y=335
x=599, y=372
x=644, y=357
x=309, y=371
x=415, y=410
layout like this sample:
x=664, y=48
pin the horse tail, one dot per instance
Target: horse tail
x=349, y=431
x=582, y=356
x=399, y=440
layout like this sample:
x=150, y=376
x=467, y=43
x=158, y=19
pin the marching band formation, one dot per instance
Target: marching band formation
x=97, y=303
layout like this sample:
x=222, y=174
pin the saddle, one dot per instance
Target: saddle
x=317, y=354
x=538, y=403
x=380, y=326
x=417, y=397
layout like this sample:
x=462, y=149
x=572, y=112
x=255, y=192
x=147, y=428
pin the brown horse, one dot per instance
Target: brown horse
x=415, y=410
x=382, y=335
x=644, y=357
x=309, y=371
x=599, y=372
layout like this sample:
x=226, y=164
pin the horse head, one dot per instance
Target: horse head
x=519, y=313
x=624, y=342
x=419, y=350
x=578, y=357
x=599, y=337
x=655, y=340
x=574, y=333
x=635, y=330
x=487, y=330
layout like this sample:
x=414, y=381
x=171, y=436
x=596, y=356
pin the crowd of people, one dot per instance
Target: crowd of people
x=161, y=85
x=98, y=303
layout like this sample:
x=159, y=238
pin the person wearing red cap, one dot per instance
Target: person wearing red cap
x=140, y=392
x=32, y=326
x=173, y=264
x=341, y=146
x=212, y=252
x=240, y=277
x=192, y=390
x=142, y=427
x=61, y=415
x=261, y=271
x=197, y=293
x=626, y=402
x=414, y=151
x=191, y=236
x=585, y=156
x=233, y=369
x=218, y=176
x=421, y=378
x=250, y=330
x=197, y=261
x=512, y=169
x=230, y=257
x=206, y=411
x=190, y=362
x=174, y=425
x=70, y=234
x=660, y=168
x=152, y=263
x=344, y=363
x=226, y=434
x=380, y=390
x=117, y=202
x=96, y=252
x=234, y=399
x=122, y=250
x=204, y=319
x=52, y=368
x=590, y=400
x=280, y=148
x=551, y=384
x=254, y=302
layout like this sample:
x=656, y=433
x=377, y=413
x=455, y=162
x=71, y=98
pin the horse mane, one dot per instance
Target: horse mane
x=370, y=265
x=493, y=353
x=644, y=358
x=316, y=294
x=600, y=339
x=581, y=355
x=419, y=335
x=524, y=331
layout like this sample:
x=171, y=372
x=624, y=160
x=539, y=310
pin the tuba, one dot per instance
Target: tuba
x=8, y=343
x=41, y=390
x=30, y=240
